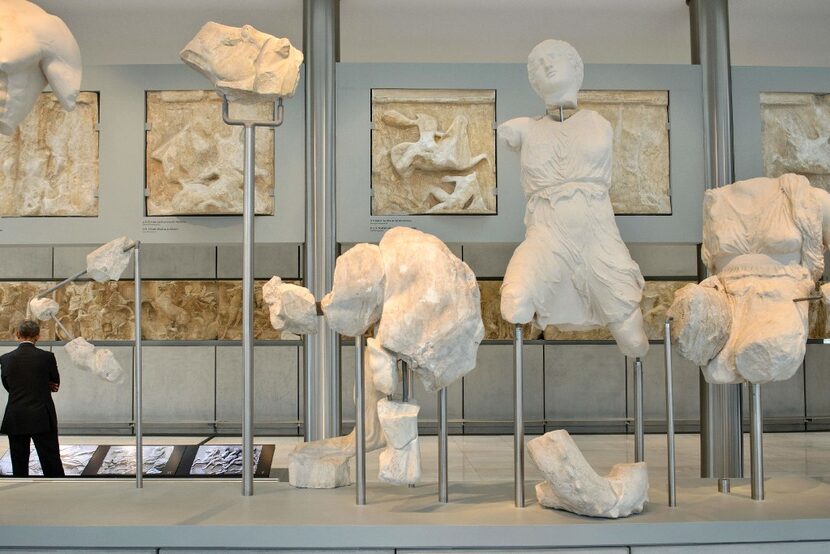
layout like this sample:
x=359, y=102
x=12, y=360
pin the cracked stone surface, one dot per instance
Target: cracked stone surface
x=796, y=135
x=194, y=161
x=50, y=164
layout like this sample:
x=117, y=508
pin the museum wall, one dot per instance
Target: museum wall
x=196, y=386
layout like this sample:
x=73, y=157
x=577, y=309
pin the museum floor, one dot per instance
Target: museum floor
x=202, y=513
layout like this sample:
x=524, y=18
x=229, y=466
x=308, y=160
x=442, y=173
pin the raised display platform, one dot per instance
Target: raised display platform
x=212, y=514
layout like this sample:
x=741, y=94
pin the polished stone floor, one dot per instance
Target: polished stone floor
x=490, y=458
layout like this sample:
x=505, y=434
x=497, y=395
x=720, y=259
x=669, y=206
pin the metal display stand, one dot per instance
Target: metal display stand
x=407, y=387
x=518, y=419
x=360, y=423
x=670, y=461
x=248, y=211
x=639, y=421
x=138, y=398
x=443, y=444
x=756, y=441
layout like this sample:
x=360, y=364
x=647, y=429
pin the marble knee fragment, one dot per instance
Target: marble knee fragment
x=702, y=320
x=43, y=309
x=400, y=462
x=291, y=308
x=100, y=361
x=574, y=486
x=356, y=299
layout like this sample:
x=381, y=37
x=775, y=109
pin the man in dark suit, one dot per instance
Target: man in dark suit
x=31, y=376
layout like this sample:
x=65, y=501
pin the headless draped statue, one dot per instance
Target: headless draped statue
x=573, y=269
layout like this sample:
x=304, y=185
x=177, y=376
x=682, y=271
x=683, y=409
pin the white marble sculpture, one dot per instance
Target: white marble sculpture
x=763, y=243
x=36, y=49
x=291, y=308
x=574, y=486
x=43, y=309
x=244, y=64
x=434, y=150
x=100, y=361
x=425, y=305
x=573, y=269
x=109, y=261
x=466, y=194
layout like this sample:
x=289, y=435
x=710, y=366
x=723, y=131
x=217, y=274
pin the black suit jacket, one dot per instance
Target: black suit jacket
x=26, y=373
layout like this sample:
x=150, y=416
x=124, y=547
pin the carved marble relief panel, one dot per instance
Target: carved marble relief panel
x=796, y=135
x=97, y=311
x=49, y=167
x=194, y=160
x=640, y=174
x=14, y=299
x=657, y=298
x=433, y=151
x=230, y=313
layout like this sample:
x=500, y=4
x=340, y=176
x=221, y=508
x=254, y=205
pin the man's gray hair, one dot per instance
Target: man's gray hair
x=28, y=329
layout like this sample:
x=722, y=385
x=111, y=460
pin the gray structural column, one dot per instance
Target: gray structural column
x=322, y=368
x=721, y=453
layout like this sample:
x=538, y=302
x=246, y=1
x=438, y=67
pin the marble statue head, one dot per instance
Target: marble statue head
x=244, y=64
x=36, y=49
x=555, y=71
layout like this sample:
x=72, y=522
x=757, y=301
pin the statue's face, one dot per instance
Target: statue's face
x=550, y=71
x=35, y=48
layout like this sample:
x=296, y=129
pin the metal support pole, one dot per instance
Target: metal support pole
x=322, y=367
x=670, y=461
x=639, y=423
x=518, y=419
x=138, y=397
x=63, y=283
x=249, y=197
x=405, y=389
x=720, y=425
x=756, y=441
x=360, y=423
x=248, y=241
x=443, y=446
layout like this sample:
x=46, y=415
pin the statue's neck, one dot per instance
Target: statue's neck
x=565, y=99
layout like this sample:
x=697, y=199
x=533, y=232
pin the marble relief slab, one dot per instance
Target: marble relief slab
x=98, y=311
x=14, y=300
x=171, y=310
x=640, y=122
x=120, y=460
x=194, y=160
x=74, y=458
x=49, y=167
x=433, y=151
x=795, y=135
x=657, y=297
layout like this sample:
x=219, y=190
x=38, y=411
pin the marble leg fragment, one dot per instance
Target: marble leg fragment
x=324, y=464
x=574, y=486
x=400, y=462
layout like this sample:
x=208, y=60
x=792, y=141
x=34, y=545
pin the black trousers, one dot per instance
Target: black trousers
x=48, y=452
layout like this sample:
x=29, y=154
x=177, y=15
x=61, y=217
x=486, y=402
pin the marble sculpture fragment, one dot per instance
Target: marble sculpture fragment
x=763, y=242
x=100, y=361
x=572, y=270
x=36, y=49
x=433, y=151
x=573, y=485
x=108, y=262
x=43, y=309
x=292, y=308
x=244, y=64
x=425, y=307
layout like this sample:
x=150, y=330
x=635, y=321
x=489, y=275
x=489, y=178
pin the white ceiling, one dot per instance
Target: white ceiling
x=764, y=32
